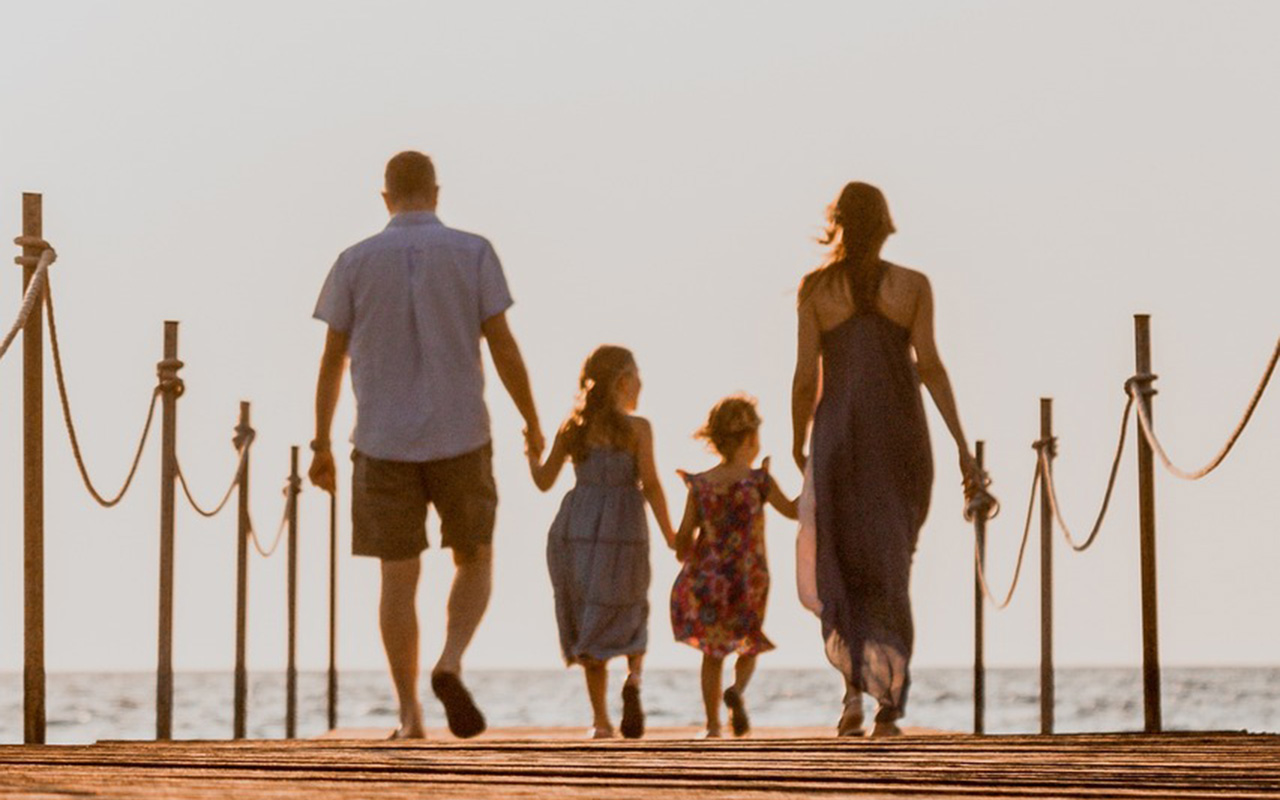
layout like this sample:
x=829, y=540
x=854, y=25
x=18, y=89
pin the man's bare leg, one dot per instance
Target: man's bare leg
x=398, y=617
x=468, y=599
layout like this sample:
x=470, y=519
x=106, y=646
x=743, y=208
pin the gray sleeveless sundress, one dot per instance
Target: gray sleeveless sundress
x=873, y=474
x=598, y=557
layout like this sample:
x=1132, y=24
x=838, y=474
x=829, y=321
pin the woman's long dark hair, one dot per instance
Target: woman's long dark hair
x=597, y=418
x=858, y=222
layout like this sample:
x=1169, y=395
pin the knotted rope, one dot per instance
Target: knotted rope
x=1148, y=430
x=31, y=298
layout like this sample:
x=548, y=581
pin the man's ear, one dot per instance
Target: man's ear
x=386, y=198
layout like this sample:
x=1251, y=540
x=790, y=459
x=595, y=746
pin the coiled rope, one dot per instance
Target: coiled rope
x=54, y=345
x=31, y=298
x=1148, y=430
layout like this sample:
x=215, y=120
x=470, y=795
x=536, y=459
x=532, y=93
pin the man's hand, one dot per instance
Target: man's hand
x=323, y=473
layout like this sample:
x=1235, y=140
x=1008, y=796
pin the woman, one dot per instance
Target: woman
x=866, y=327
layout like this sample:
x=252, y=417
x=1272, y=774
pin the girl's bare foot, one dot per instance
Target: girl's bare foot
x=710, y=733
x=606, y=732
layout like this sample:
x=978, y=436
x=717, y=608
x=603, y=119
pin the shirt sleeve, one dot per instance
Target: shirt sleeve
x=336, y=306
x=495, y=296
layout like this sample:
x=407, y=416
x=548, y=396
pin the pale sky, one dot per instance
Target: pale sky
x=654, y=175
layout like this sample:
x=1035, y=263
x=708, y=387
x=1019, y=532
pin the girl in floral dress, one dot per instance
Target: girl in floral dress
x=718, y=600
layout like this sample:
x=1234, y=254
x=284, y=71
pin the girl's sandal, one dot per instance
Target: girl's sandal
x=632, y=726
x=737, y=712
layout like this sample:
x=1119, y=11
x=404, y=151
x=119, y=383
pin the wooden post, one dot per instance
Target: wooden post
x=243, y=432
x=1046, y=572
x=1147, y=532
x=333, y=611
x=291, y=669
x=33, y=673
x=979, y=617
x=171, y=388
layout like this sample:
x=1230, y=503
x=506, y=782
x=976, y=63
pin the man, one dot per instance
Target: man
x=408, y=307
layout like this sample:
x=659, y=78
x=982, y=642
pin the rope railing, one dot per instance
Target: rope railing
x=242, y=457
x=980, y=568
x=68, y=421
x=1044, y=456
x=1148, y=430
x=31, y=298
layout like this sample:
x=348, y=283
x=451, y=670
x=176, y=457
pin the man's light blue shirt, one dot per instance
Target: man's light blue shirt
x=411, y=300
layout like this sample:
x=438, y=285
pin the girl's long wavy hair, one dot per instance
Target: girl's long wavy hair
x=597, y=419
x=858, y=223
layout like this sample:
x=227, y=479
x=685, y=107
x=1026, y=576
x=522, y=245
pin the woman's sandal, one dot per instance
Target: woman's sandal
x=737, y=712
x=632, y=726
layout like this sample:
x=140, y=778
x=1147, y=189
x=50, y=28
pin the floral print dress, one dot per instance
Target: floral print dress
x=718, y=600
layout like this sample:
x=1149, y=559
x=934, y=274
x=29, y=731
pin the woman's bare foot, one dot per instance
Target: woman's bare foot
x=851, y=720
x=885, y=730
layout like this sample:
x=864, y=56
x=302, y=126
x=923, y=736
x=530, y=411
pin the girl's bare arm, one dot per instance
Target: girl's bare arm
x=649, y=482
x=545, y=473
x=785, y=505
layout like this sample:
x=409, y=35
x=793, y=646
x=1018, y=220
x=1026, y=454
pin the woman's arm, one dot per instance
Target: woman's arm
x=545, y=474
x=804, y=385
x=688, y=527
x=934, y=376
x=649, y=482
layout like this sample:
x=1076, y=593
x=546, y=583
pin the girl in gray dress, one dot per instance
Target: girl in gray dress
x=598, y=546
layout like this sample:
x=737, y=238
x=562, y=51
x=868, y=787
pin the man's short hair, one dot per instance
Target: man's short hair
x=410, y=174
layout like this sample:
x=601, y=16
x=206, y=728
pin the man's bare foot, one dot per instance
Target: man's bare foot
x=885, y=730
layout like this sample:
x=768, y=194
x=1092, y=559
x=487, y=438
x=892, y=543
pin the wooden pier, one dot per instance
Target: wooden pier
x=1218, y=765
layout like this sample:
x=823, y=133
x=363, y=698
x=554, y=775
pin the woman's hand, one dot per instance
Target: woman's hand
x=797, y=453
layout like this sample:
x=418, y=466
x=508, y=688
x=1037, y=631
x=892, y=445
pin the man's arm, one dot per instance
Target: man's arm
x=515, y=378
x=328, y=387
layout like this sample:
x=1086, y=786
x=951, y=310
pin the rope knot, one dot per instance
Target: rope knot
x=1140, y=383
x=293, y=486
x=167, y=376
x=1048, y=446
x=244, y=436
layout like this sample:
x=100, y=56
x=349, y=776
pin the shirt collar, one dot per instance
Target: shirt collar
x=405, y=218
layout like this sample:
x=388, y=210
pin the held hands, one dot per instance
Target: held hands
x=534, y=443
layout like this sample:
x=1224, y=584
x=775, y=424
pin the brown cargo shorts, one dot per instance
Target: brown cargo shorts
x=389, y=502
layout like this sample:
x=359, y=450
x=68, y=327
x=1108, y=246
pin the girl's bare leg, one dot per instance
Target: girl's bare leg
x=743, y=669
x=597, y=686
x=635, y=668
x=632, y=710
x=712, y=670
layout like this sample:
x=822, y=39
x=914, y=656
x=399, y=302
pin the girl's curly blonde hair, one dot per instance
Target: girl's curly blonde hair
x=730, y=423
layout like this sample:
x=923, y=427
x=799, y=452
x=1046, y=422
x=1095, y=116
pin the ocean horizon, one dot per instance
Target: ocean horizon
x=84, y=707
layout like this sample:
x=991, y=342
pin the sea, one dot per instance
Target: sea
x=89, y=707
